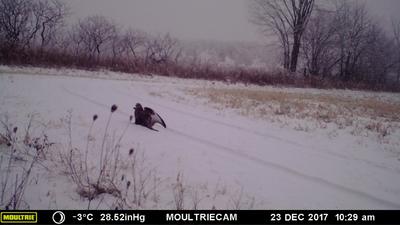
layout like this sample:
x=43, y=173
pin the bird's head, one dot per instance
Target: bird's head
x=138, y=106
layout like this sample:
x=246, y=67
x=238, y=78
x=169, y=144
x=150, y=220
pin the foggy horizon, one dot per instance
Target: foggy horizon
x=191, y=20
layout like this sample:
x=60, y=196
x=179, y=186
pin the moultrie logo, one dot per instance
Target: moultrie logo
x=18, y=217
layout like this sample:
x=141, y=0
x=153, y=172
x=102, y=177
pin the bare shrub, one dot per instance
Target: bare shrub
x=91, y=184
x=141, y=182
x=179, y=192
x=240, y=200
x=196, y=198
x=381, y=128
x=129, y=178
x=21, y=154
x=8, y=135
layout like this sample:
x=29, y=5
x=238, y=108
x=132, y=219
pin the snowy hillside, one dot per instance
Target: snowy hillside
x=225, y=146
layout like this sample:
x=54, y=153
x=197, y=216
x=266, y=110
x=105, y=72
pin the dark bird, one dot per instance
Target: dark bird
x=147, y=117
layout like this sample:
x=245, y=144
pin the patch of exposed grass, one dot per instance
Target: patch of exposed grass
x=320, y=108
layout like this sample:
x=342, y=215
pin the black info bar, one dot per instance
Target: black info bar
x=201, y=217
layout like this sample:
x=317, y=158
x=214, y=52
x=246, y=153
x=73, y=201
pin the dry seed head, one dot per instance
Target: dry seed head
x=113, y=108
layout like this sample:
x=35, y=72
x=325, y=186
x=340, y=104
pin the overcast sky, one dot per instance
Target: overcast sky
x=196, y=19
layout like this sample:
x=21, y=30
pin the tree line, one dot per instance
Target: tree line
x=324, y=47
x=36, y=32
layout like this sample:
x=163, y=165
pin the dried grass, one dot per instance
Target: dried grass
x=320, y=108
x=327, y=106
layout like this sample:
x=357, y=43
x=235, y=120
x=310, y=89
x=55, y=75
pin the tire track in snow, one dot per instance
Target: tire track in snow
x=298, y=145
x=290, y=171
x=239, y=154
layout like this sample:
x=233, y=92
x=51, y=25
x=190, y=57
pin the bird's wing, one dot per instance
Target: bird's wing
x=157, y=118
x=149, y=110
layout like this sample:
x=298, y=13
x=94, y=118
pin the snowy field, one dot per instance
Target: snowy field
x=226, y=146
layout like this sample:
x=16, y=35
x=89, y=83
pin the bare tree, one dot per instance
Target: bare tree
x=25, y=24
x=319, y=43
x=361, y=49
x=133, y=39
x=116, y=46
x=74, y=41
x=15, y=16
x=352, y=37
x=50, y=15
x=287, y=19
x=378, y=59
x=348, y=42
x=94, y=34
x=162, y=50
x=133, y=43
x=396, y=40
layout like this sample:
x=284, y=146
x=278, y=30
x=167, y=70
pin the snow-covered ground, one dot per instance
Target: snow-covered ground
x=213, y=157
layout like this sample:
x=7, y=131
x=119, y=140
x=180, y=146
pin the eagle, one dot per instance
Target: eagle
x=147, y=117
